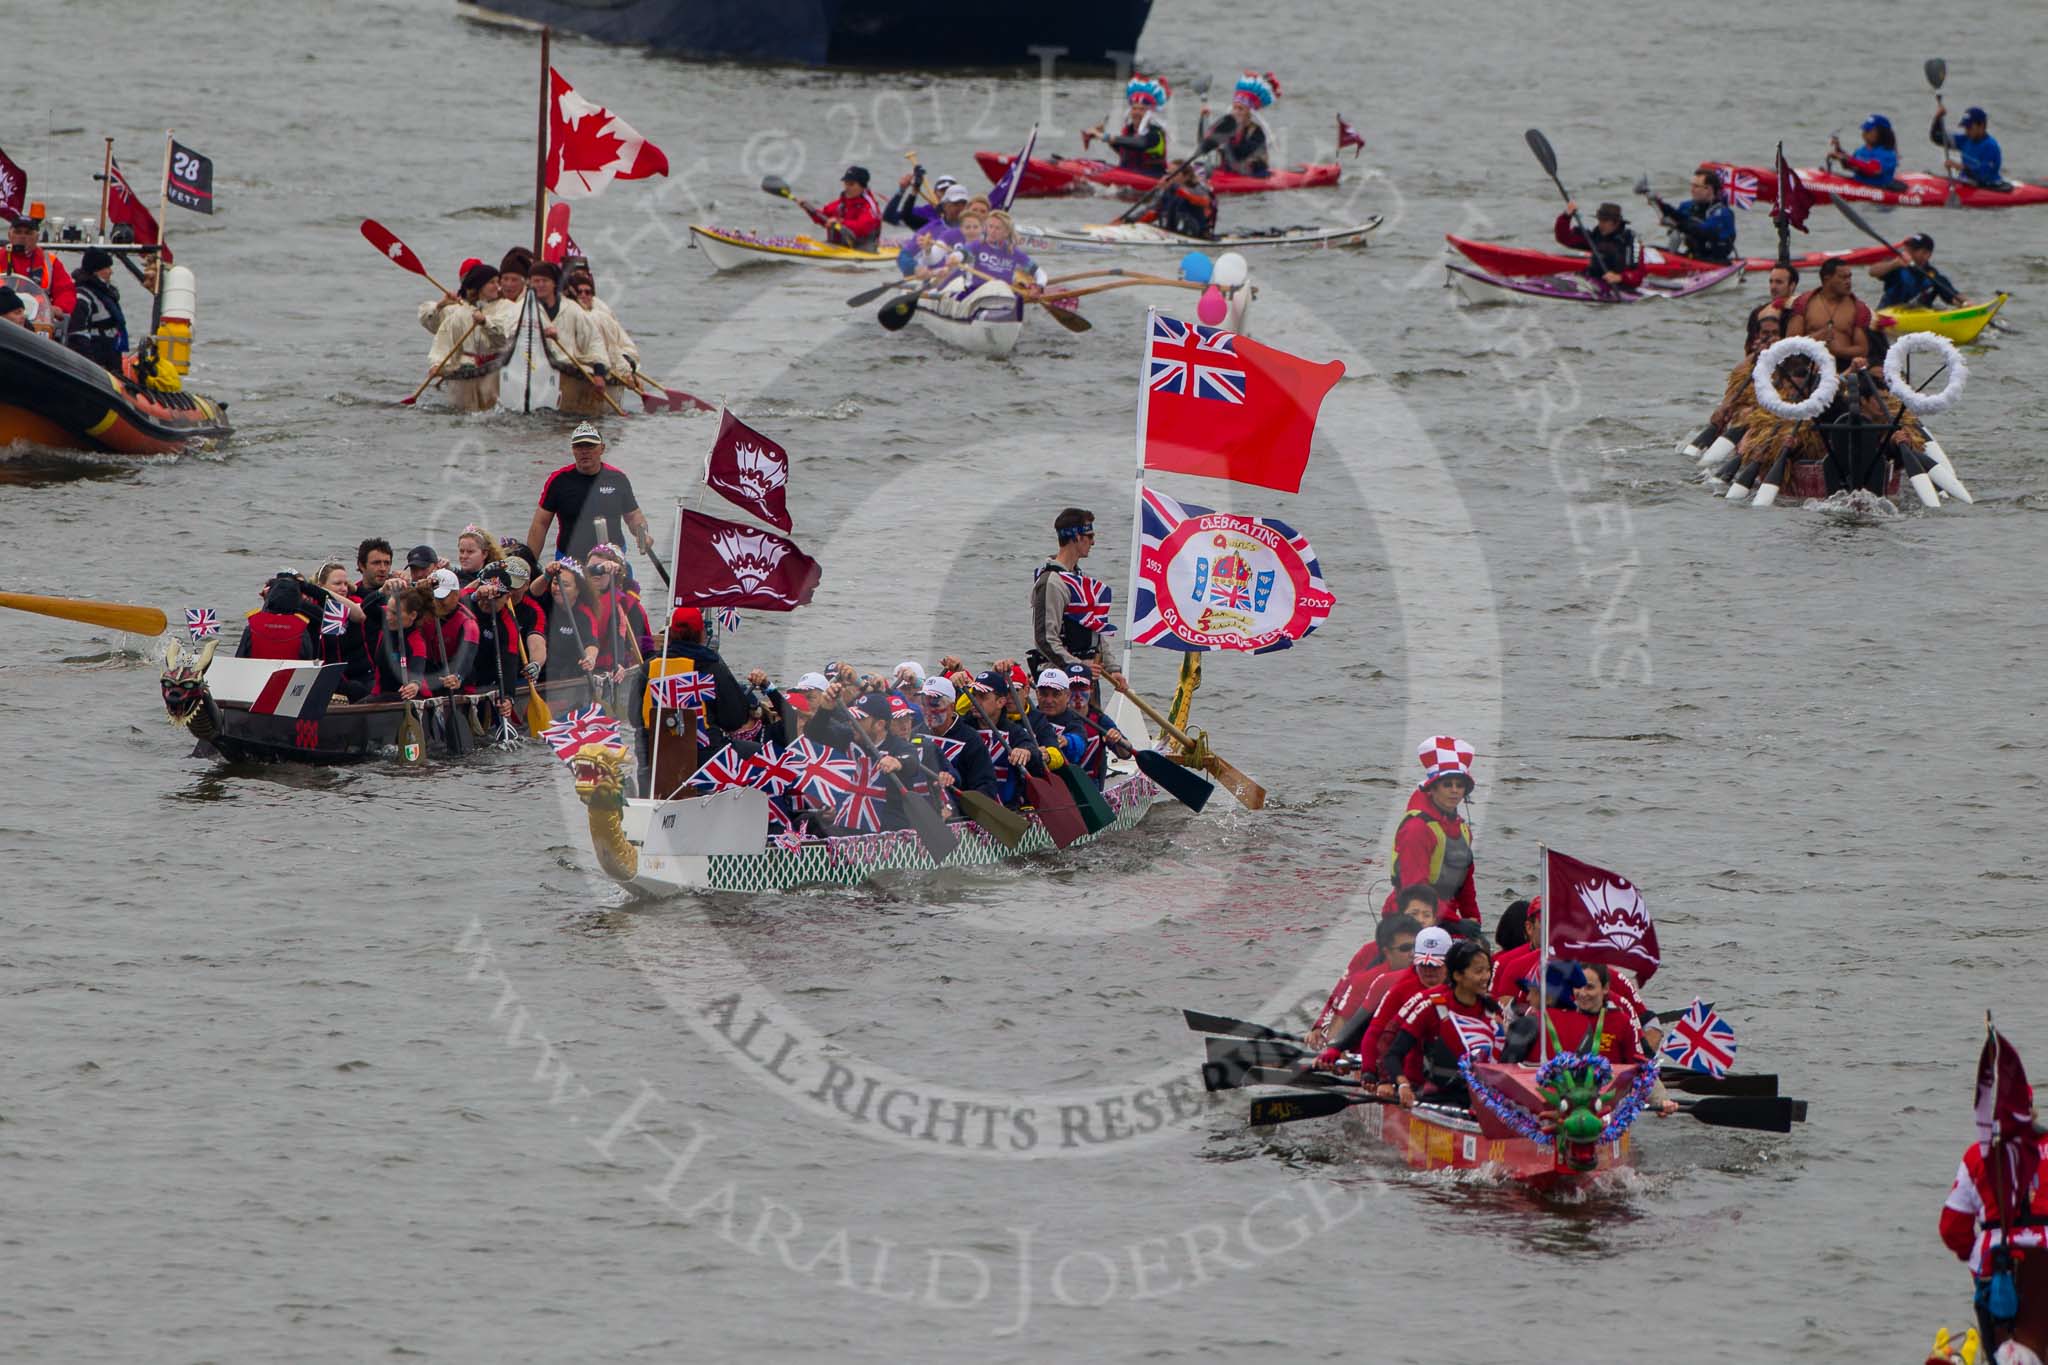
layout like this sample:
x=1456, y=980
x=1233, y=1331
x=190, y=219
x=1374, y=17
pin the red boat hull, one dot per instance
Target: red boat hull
x=1520, y=262
x=1921, y=190
x=1044, y=176
x=1428, y=1142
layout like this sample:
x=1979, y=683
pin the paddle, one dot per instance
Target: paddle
x=1202, y=149
x=1005, y=826
x=391, y=249
x=1949, y=295
x=659, y=567
x=1248, y=793
x=538, y=717
x=435, y=373
x=1936, y=71
x=508, y=733
x=113, y=615
x=896, y=314
x=1184, y=785
x=412, y=740
x=1760, y=1115
x=1201, y=1021
x=1066, y=318
x=777, y=186
x=1053, y=800
x=938, y=840
x=453, y=729
x=867, y=296
x=1546, y=156
x=1294, y=1108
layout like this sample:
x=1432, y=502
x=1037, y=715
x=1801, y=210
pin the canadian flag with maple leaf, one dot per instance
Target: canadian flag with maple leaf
x=589, y=146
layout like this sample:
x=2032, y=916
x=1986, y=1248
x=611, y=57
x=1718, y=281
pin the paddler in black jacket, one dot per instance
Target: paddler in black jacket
x=944, y=724
x=1612, y=254
x=98, y=330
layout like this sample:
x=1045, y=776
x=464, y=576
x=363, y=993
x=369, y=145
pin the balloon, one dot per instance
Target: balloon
x=1195, y=267
x=1211, y=307
x=1231, y=270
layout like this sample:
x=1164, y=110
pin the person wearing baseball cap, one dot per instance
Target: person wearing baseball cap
x=583, y=497
x=1432, y=844
x=25, y=257
x=1981, y=162
x=951, y=736
x=1368, y=1029
x=1612, y=255
x=420, y=561
x=1912, y=281
x=1876, y=162
x=853, y=219
x=453, y=637
x=1059, y=728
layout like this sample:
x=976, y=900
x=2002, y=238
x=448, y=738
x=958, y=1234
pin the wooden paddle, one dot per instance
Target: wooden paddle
x=113, y=615
x=538, y=717
x=412, y=741
x=1249, y=794
x=1053, y=800
x=1072, y=321
x=435, y=373
x=590, y=379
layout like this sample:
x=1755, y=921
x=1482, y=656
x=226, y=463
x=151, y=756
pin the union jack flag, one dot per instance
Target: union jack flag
x=1738, y=186
x=588, y=726
x=998, y=752
x=771, y=770
x=785, y=833
x=1197, y=361
x=202, y=622
x=1480, y=1036
x=1088, y=602
x=1700, y=1040
x=334, y=617
x=860, y=801
x=685, y=689
x=728, y=619
x=821, y=773
x=951, y=748
x=725, y=769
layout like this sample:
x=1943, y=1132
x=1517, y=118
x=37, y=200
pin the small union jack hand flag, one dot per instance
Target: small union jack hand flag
x=588, y=726
x=772, y=770
x=861, y=801
x=686, y=689
x=334, y=617
x=725, y=769
x=728, y=619
x=1700, y=1040
x=202, y=622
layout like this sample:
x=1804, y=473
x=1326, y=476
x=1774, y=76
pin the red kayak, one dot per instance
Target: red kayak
x=1521, y=261
x=1065, y=175
x=1919, y=190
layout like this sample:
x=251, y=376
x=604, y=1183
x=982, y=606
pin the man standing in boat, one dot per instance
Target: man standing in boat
x=1058, y=639
x=25, y=257
x=581, y=496
x=853, y=219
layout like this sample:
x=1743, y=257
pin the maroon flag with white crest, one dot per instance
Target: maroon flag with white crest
x=1347, y=136
x=13, y=186
x=729, y=564
x=2005, y=1121
x=1594, y=915
x=749, y=470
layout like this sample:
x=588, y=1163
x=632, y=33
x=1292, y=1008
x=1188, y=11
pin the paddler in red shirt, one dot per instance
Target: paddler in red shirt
x=1454, y=1020
x=1368, y=1029
x=853, y=219
x=1432, y=846
x=1392, y=950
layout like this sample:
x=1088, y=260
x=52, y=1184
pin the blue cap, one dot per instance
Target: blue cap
x=1973, y=114
x=991, y=681
x=1877, y=121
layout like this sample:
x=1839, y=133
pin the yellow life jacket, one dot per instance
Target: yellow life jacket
x=1436, y=854
x=660, y=667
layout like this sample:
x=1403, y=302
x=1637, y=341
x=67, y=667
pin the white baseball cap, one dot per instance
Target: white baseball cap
x=1053, y=677
x=444, y=582
x=942, y=689
x=956, y=195
x=1432, y=945
x=812, y=682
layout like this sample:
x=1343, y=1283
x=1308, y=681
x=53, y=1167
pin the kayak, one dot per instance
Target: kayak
x=982, y=317
x=1960, y=325
x=1497, y=258
x=1150, y=234
x=1477, y=286
x=1064, y=175
x=736, y=248
x=1915, y=189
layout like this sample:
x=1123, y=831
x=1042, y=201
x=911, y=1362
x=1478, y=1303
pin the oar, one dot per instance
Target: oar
x=896, y=314
x=867, y=296
x=1248, y=793
x=777, y=186
x=391, y=249
x=1007, y=827
x=590, y=379
x=1061, y=295
x=1546, y=156
x=1950, y=295
x=1294, y=1108
x=1936, y=71
x=435, y=373
x=412, y=741
x=659, y=567
x=1072, y=321
x=1202, y=1022
x=1202, y=149
x=113, y=615
x=1775, y=1115
x=507, y=732
x=538, y=717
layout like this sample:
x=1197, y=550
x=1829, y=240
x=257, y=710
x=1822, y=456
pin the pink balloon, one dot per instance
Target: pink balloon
x=1211, y=308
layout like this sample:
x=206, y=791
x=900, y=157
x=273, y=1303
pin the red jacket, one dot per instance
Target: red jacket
x=859, y=218
x=1349, y=994
x=1435, y=1023
x=1969, y=1217
x=1403, y=987
x=1568, y=234
x=1619, y=1042
x=1415, y=845
x=47, y=271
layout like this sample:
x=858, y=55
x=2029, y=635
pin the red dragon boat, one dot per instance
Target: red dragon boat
x=1045, y=176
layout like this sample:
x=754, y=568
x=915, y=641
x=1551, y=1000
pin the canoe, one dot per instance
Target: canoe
x=1960, y=325
x=53, y=396
x=719, y=842
x=1497, y=258
x=1477, y=286
x=737, y=248
x=1045, y=176
x=1151, y=235
x=981, y=317
x=1917, y=189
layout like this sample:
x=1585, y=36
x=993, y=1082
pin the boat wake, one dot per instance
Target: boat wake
x=1857, y=507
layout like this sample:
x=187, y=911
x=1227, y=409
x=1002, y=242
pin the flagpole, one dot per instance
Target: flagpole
x=1543, y=957
x=106, y=188
x=163, y=212
x=540, y=154
x=653, y=695
x=1137, y=500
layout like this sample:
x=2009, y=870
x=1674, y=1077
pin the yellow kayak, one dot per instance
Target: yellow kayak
x=734, y=248
x=1959, y=325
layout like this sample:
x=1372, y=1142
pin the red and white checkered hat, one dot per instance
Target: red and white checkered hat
x=1443, y=756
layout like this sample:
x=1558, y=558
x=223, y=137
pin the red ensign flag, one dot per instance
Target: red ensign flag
x=1226, y=407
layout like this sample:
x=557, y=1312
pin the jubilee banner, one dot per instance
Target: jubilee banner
x=1217, y=580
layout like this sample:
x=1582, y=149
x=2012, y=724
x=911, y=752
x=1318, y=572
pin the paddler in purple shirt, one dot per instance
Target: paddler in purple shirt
x=942, y=234
x=996, y=254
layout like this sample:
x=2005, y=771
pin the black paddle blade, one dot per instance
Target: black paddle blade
x=1184, y=785
x=1700, y=1083
x=1758, y=1114
x=1294, y=1108
x=775, y=184
x=895, y=315
x=1937, y=71
x=1860, y=221
x=924, y=817
x=1546, y=156
x=1202, y=1022
x=1255, y=1051
x=867, y=296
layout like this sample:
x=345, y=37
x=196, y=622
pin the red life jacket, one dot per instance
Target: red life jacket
x=276, y=635
x=1618, y=1041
